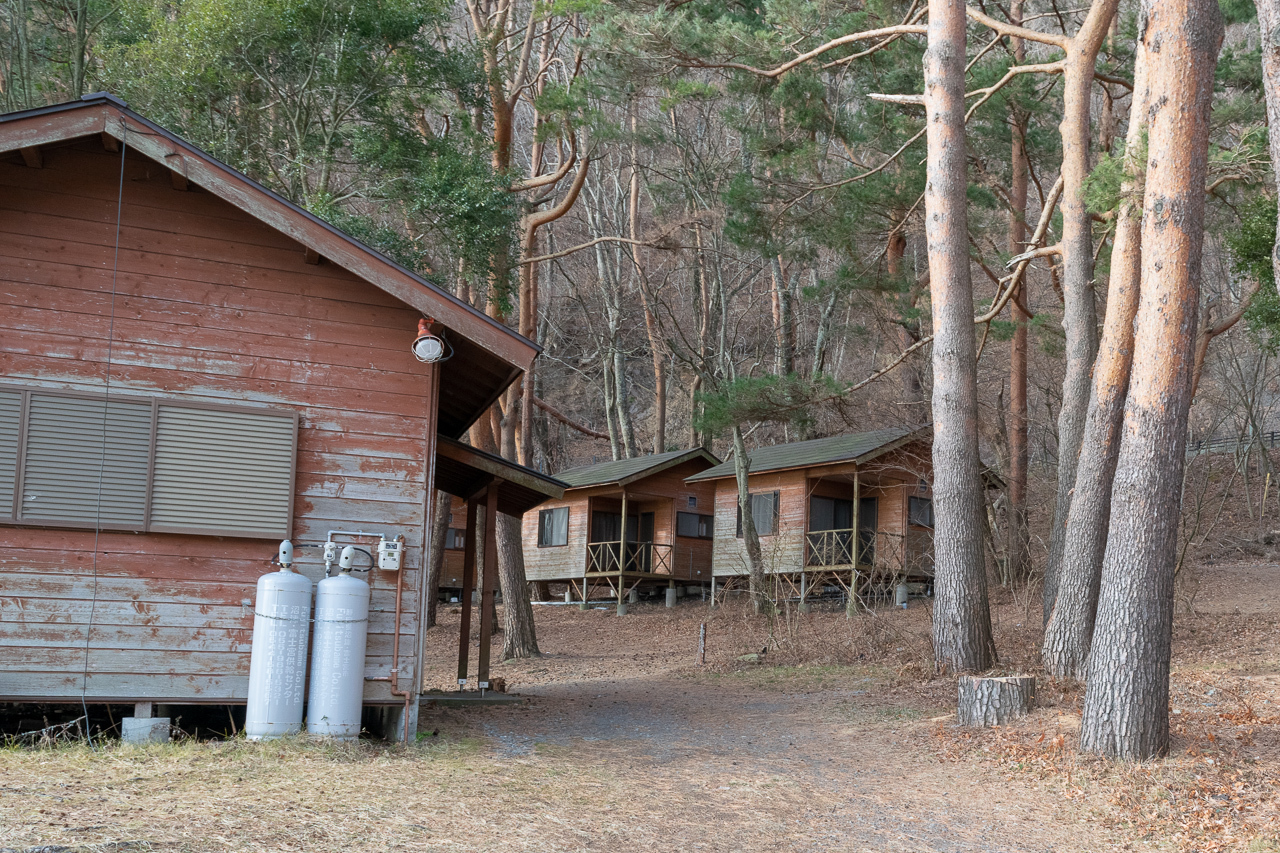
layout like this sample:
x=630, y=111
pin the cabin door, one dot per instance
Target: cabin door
x=833, y=519
x=643, y=533
x=607, y=527
x=868, y=521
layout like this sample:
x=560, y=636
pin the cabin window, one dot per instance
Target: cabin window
x=142, y=464
x=919, y=512
x=455, y=539
x=693, y=502
x=553, y=527
x=764, y=511
x=695, y=526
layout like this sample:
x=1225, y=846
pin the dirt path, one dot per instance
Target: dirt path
x=753, y=757
x=734, y=767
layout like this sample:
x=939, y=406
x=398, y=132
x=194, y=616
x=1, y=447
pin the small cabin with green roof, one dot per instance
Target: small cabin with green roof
x=849, y=511
x=626, y=524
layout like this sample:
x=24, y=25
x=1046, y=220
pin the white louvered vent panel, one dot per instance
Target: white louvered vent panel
x=228, y=472
x=66, y=475
x=10, y=420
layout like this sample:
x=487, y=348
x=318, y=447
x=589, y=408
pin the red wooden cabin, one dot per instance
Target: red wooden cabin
x=192, y=369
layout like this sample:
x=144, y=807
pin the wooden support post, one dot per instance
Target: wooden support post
x=804, y=592
x=468, y=584
x=32, y=157
x=490, y=580
x=622, y=555
x=857, y=520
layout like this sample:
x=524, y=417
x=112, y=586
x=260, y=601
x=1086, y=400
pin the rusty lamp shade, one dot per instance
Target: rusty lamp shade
x=427, y=347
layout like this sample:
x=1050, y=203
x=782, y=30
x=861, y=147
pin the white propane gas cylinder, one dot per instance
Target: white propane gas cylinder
x=278, y=663
x=337, y=657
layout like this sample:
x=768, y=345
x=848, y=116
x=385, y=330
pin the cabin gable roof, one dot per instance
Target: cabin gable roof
x=624, y=472
x=493, y=355
x=856, y=447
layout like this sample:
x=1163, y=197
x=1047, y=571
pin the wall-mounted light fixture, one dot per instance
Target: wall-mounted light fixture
x=427, y=347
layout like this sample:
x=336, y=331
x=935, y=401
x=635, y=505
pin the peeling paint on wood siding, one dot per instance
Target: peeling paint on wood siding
x=211, y=306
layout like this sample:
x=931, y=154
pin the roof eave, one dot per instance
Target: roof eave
x=914, y=435
x=670, y=463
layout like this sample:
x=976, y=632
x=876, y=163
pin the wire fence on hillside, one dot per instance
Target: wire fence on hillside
x=1233, y=444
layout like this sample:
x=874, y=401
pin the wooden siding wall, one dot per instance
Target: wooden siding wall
x=784, y=550
x=901, y=472
x=690, y=557
x=210, y=306
x=451, y=574
x=560, y=562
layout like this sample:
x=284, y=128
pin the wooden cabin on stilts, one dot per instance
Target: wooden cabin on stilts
x=850, y=515
x=626, y=527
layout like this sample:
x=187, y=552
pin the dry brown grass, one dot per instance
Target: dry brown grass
x=837, y=739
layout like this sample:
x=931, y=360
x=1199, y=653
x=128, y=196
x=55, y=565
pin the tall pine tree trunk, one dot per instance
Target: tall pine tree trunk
x=908, y=326
x=1080, y=317
x=784, y=329
x=1070, y=629
x=650, y=315
x=1126, y=707
x=519, y=635
x=1269, y=23
x=435, y=555
x=961, y=618
x=1017, y=546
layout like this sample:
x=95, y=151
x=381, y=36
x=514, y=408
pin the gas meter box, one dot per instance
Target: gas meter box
x=391, y=554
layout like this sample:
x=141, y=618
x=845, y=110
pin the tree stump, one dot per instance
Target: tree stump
x=994, y=701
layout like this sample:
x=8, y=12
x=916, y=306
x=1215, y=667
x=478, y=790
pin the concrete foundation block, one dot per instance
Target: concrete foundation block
x=633, y=597
x=671, y=596
x=143, y=730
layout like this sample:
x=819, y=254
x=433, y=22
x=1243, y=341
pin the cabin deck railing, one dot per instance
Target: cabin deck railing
x=832, y=548
x=649, y=557
x=846, y=549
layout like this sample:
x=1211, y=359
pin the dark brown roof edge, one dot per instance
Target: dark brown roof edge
x=503, y=469
x=689, y=456
x=914, y=435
